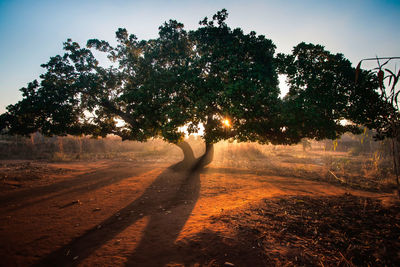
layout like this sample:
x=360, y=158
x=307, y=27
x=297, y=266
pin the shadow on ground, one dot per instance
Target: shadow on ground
x=175, y=188
x=80, y=184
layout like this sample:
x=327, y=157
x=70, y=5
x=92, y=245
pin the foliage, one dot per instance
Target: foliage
x=156, y=86
x=236, y=79
x=322, y=94
x=189, y=78
x=389, y=94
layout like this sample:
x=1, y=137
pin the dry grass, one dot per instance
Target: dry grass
x=370, y=170
x=364, y=165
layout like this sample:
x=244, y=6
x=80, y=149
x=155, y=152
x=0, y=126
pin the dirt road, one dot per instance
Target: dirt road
x=111, y=213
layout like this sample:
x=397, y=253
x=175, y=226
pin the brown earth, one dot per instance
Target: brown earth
x=138, y=213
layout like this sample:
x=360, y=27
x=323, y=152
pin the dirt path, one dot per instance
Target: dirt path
x=111, y=213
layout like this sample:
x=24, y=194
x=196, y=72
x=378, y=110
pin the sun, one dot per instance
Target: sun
x=226, y=122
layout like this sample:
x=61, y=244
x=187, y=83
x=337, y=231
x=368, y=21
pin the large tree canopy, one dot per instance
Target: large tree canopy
x=157, y=86
x=189, y=78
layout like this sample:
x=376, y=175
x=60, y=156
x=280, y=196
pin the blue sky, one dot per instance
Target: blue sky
x=32, y=31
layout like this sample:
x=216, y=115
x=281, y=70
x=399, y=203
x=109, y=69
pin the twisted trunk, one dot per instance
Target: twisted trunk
x=189, y=161
x=188, y=154
x=208, y=156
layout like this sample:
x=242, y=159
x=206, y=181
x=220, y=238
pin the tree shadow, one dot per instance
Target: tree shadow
x=168, y=202
x=78, y=185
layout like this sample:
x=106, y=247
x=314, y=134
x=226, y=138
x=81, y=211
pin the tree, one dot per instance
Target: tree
x=157, y=86
x=323, y=99
x=204, y=76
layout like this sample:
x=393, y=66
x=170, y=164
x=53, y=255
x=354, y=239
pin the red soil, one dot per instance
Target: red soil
x=114, y=213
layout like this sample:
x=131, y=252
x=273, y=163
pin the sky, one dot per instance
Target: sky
x=33, y=31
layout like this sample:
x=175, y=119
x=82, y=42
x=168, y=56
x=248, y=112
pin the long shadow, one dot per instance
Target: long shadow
x=80, y=184
x=162, y=230
x=173, y=191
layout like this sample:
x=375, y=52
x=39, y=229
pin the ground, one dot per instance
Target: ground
x=143, y=213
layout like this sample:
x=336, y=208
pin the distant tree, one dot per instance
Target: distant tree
x=323, y=100
x=215, y=76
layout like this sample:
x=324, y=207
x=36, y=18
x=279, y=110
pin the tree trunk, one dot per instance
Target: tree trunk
x=189, y=161
x=208, y=156
x=188, y=155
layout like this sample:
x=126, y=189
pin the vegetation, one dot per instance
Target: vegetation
x=207, y=76
x=322, y=93
x=356, y=161
x=325, y=201
x=388, y=124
